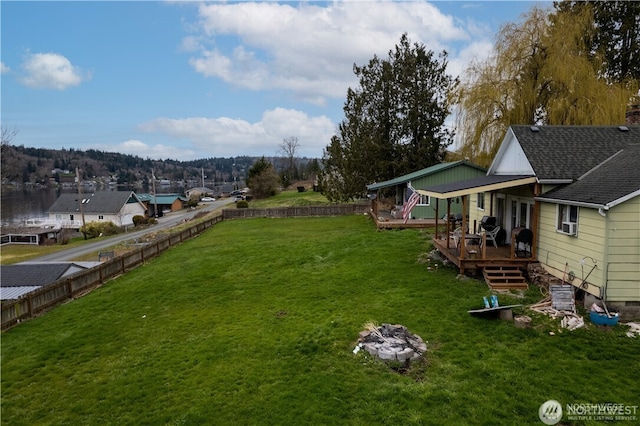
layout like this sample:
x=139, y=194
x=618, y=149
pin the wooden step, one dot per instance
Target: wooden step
x=501, y=277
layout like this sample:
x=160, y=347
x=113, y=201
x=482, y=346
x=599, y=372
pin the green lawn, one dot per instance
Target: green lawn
x=290, y=199
x=254, y=323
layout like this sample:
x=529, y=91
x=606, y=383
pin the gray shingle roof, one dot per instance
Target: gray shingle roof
x=35, y=274
x=613, y=180
x=568, y=152
x=110, y=202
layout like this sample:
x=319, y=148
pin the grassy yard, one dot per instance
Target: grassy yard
x=254, y=322
x=291, y=199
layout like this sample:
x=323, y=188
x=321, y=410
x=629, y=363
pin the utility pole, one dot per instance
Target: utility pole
x=155, y=197
x=80, y=199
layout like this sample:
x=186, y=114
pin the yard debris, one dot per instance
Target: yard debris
x=540, y=277
x=634, y=329
x=522, y=321
x=391, y=342
x=569, y=319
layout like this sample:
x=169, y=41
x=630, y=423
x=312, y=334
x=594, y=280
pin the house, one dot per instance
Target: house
x=118, y=207
x=22, y=278
x=434, y=175
x=165, y=203
x=199, y=192
x=577, y=188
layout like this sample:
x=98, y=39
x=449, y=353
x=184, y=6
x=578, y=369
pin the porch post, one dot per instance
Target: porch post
x=448, y=220
x=464, y=227
x=437, y=204
x=464, y=233
x=535, y=222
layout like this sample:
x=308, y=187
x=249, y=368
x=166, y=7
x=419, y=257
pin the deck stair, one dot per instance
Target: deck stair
x=502, y=277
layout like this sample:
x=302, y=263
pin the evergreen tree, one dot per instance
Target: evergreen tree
x=394, y=121
x=262, y=179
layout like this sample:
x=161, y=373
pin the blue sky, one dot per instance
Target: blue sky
x=188, y=80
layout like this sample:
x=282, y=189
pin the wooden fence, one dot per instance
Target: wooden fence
x=45, y=298
x=67, y=288
x=305, y=211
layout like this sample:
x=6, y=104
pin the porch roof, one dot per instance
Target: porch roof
x=475, y=185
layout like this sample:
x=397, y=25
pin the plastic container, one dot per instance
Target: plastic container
x=494, y=301
x=603, y=319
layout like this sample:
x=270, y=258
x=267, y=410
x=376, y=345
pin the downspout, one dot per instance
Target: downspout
x=605, y=254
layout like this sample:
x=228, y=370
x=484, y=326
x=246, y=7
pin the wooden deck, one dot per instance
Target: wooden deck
x=475, y=258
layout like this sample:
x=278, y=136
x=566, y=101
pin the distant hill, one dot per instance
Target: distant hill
x=38, y=166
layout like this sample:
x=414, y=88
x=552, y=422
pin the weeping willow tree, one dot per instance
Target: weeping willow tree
x=542, y=72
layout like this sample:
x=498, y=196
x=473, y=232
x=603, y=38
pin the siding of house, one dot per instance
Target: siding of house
x=454, y=174
x=623, y=260
x=561, y=253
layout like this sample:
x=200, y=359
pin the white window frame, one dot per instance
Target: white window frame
x=480, y=201
x=425, y=200
x=567, y=217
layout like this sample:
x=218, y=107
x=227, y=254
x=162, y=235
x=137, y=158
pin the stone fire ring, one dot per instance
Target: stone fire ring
x=392, y=343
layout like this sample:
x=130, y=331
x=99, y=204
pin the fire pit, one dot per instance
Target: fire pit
x=391, y=342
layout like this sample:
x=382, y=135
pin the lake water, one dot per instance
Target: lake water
x=18, y=205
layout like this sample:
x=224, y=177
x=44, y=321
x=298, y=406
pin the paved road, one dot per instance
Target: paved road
x=167, y=221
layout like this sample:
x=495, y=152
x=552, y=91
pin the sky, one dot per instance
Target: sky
x=189, y=80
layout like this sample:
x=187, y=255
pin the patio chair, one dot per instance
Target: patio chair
x=492, y=235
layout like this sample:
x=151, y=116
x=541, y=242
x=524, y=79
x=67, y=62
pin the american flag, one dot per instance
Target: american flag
x=410, y=204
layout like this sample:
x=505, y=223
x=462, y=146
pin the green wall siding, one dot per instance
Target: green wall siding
x=453, y=174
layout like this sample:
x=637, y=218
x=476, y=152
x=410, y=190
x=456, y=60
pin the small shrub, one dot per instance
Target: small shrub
x=95, y=229
x=139, y=220
x=242, y=204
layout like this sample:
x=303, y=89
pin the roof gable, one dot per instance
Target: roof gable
x=510, y=158
x=422, y=173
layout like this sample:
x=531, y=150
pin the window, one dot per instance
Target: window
x=70, y=217
x=480, y=200
x=567, y=219
x=100, y=217
x=425, y=200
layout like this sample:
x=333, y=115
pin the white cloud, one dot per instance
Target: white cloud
x=51, y=71
x=3, y=68
x=306, y=48
x=155, y=152
x=221, y=137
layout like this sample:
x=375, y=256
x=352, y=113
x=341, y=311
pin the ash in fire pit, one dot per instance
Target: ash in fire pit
x=391, y=342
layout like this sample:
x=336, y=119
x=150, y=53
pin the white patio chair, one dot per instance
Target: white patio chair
x=491, y=235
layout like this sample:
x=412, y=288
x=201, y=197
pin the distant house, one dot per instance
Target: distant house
x=118, y=207
x=434, y=175
x=22, y=278
x=199, y=192
x=577, y=188
x=165, y=203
